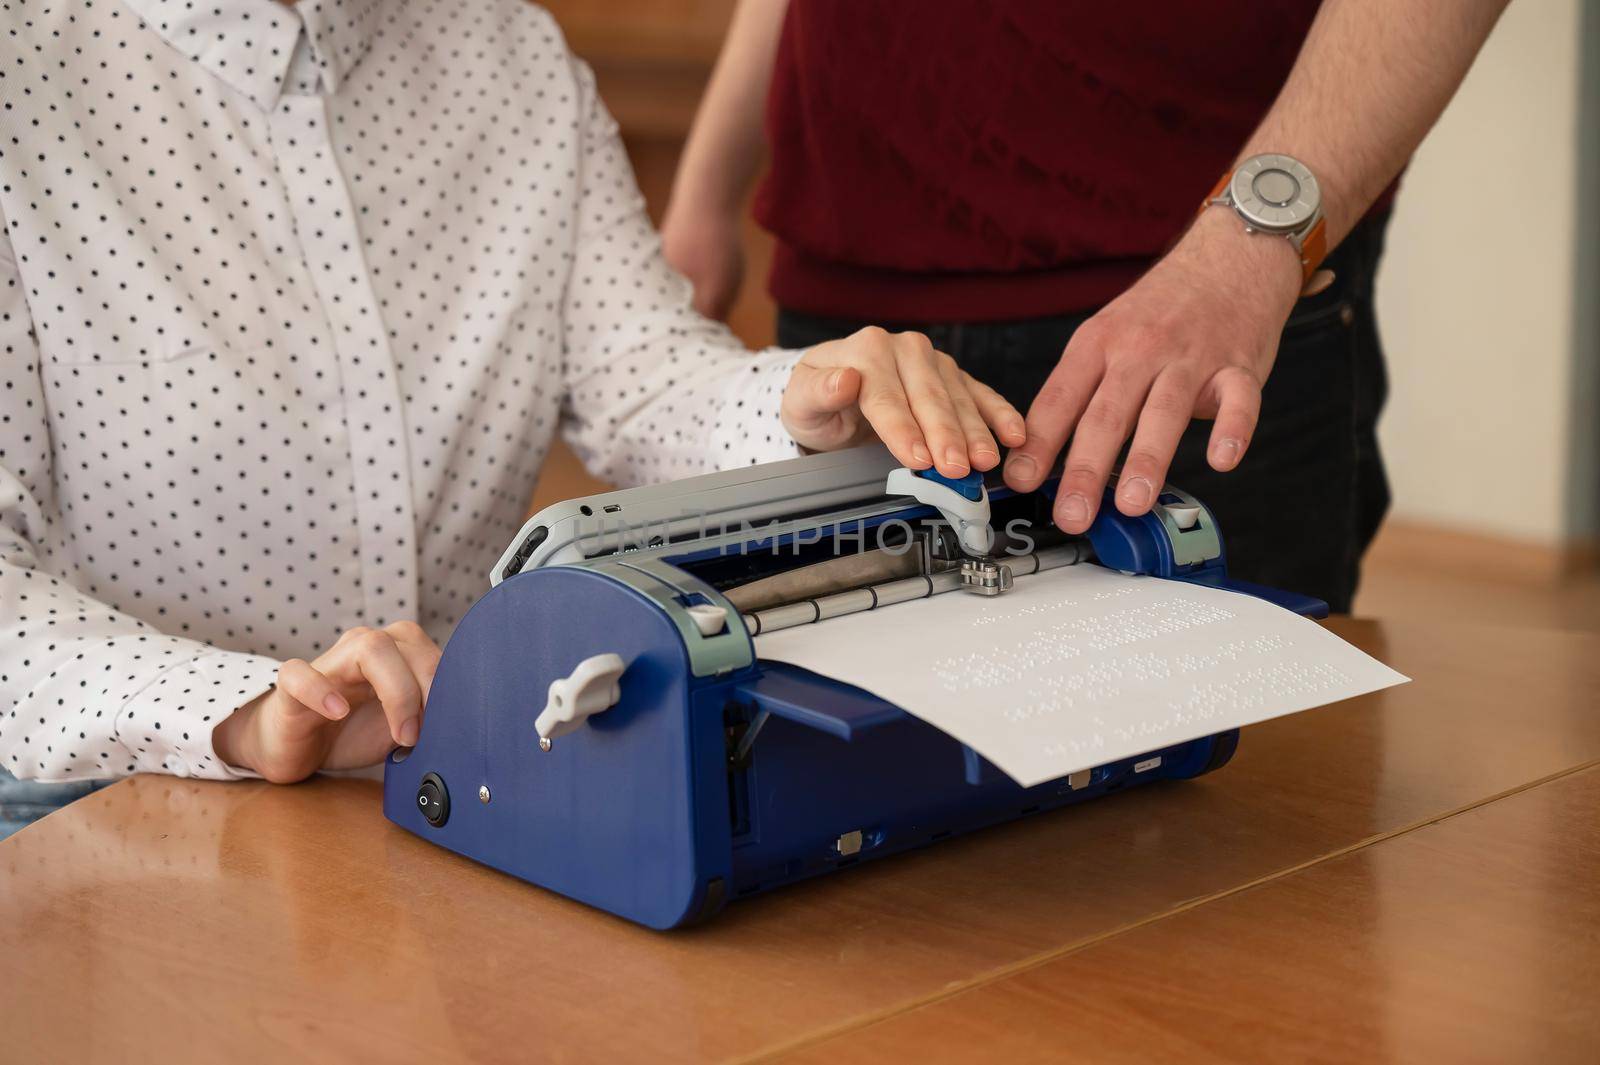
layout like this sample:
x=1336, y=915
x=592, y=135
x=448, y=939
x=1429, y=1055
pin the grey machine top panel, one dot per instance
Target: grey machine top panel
x=848, y=482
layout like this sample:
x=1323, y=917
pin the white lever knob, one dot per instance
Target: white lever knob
x=1184, y=516
x=586, y=691
x=709, y=618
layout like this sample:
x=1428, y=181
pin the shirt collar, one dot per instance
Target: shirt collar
x=340, y=32
x=248, y=44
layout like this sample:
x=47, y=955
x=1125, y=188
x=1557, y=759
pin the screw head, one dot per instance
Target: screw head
x=483, y=794
x=544, y=743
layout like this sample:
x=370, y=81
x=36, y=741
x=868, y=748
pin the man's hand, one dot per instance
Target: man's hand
x=347, y=708
x=704, y=247
x=1194, y=337
x=924, y=408
x=1197, y=335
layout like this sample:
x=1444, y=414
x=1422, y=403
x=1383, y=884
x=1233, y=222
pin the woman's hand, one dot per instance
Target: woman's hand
x=345, y=709
x=895, y=386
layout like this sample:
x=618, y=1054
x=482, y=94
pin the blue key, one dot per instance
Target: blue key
x=970, y=486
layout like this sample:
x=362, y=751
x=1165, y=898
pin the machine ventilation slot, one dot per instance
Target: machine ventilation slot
x=734, y=727
x=738, y=806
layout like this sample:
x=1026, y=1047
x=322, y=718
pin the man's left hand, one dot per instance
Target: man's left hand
x=1194, y=338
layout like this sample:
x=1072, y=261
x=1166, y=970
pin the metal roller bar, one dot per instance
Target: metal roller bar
x=887, y=593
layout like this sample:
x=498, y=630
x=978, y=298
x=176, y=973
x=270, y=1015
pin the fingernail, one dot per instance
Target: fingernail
x=954, y=456
x=985, y=456
x=1074, y=510
x=1225, y=452
x=408, y=732
x=1017, y=430
x=335, y=705
x=1021, y=468
x=920, y=456
x=835, y=379
x=1135, y=492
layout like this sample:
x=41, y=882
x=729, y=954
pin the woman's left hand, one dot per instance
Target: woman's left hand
x=895, y=386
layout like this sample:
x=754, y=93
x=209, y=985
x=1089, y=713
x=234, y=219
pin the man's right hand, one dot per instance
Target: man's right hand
x=345, y=709
x=704, y=247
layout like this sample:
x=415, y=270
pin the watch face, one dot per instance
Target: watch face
x=1275, y=193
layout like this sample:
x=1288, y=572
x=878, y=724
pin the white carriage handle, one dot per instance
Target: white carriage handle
x=588, y=690
x=968, y=517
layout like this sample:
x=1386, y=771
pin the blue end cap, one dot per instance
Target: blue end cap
x=970, y=486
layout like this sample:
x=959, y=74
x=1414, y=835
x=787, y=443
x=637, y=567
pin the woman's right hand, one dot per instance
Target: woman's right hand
x=346, y=708
x=704, y=246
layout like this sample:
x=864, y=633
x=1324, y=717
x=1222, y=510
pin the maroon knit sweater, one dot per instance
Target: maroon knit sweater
x=973, y=160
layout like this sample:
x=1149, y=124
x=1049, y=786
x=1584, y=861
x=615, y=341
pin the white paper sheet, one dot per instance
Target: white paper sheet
x=1080, y=666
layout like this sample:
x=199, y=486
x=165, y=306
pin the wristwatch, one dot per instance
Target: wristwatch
x=1278, y=195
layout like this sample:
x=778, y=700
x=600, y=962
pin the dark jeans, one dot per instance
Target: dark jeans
x=1300, y=510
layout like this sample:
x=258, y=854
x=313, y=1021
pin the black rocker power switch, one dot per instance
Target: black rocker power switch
x=433, y=800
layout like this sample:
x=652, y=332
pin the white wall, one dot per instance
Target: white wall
x=1481, y=315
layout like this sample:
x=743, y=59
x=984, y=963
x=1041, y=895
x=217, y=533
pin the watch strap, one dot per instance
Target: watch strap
x=1313, y=249
x=1312, y=243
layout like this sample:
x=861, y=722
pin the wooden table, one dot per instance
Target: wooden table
x=1410, y=876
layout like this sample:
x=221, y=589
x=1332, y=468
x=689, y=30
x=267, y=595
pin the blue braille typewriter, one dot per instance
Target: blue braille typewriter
x=602, y=723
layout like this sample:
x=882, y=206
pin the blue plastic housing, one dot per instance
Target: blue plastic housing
x=692, y=791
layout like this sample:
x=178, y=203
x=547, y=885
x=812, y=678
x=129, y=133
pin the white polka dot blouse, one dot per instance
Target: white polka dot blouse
x=292, y=300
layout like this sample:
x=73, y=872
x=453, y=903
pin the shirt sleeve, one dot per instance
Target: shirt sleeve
x=654, y=391
x=87, y=691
